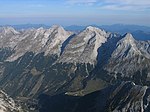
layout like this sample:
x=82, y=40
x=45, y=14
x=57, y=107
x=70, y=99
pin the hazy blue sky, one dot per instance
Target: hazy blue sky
x=75, y=12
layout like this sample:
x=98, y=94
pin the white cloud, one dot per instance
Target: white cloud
x=115, y=4
x=81, y=1
x=127, y=5
x=129, y=2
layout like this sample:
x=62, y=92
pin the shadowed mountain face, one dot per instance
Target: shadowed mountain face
x=57, y=103
x=122, y=97
x=54, y=61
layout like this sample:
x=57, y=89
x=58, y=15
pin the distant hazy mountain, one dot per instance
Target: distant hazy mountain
x=75, y=28
x=54, y=61
x=141, y=35
x=28, y=26
x=121, y=28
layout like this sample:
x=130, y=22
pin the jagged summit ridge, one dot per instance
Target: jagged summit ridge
x=84, y=47
x=39, y=40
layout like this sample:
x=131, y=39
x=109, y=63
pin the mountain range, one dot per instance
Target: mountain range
x=53, y=61
x=139, y=32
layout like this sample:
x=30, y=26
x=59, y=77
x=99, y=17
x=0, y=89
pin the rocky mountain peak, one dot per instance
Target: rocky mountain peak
x=83, y=48
x=128, y=38
x=129, y=53
x=58, y=28
x=96, y=30
x=8, y=30
x=128, y=35
x=58, y=31
x=91, y=28
x=127, y=46
x=41, y=28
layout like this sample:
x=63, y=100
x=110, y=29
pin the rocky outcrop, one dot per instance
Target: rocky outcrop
x=7, y=104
